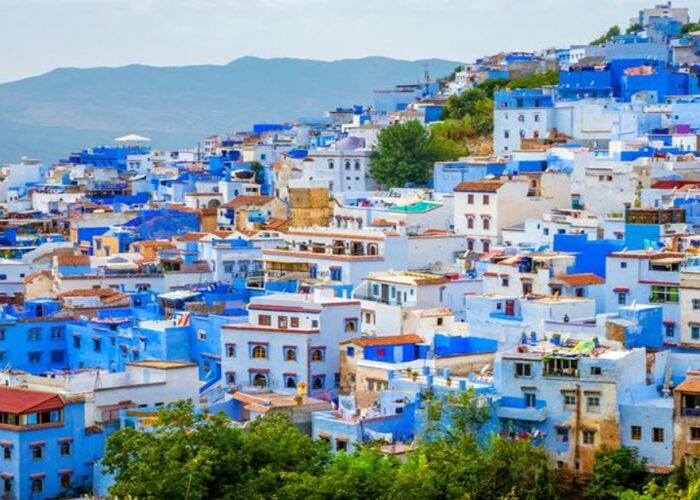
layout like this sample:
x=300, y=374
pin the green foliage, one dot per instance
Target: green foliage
x=537, y=80
x=612, y=32
x=614, y=472
x=405, y=152
x=258, y=168
x=196, y=455
x=690, y=27
x=633, y=29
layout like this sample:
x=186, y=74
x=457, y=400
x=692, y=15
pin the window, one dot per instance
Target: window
x=7, y=485
x=622, y=298
x=341, y=444
x=57, y=332
x=523, y=370
x=530, y=400
x=536, y=117
x=318, y=354
x=290, y=382
x=259, y=352
x=657, y=435
x=2, y=334
x=96, y=345
x=34, y=358
x=230, y=350
x=37, y=485
x=265, y=320
x=294, y=322
x=596, y=370
x=230, y=377
x=357, y=165
x=65, y=449
x=569, y=400
x=65, y=481
x=486, y=223
x=588, y=437
x=664, y=294
x=314, y=323
x=562, y=435
x=34, y=334
x=669, y=329
x=201, y=334
x=350, y=351
x=37, y=452
x=470, y=199
x=623, y=265
x=76, y=342
x=696, y=304
x=636, y=432
x=695, y=433
x=485, y=199
x=504, y=281
x=695, y=332
x=331, y=165
x=57, y=356
x=470, y=222
x=317, y=383
x=347, y=165
x=7, y=453
x=593, y=404
x=506, y=134
x=290, y=353
x=350, y=325
x=282, y=322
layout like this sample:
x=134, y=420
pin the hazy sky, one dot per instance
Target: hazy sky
x=39, y=35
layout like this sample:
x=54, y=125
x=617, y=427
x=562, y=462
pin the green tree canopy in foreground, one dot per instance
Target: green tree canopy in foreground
x=196, y=455
x=405, y=152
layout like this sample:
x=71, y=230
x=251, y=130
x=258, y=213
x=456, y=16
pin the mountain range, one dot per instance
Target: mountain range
x=50, y=115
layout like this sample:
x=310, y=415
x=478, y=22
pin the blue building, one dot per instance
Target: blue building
x=448, y=174
x=47, y=451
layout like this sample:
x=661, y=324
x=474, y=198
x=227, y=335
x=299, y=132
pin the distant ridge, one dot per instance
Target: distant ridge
x=49, y=115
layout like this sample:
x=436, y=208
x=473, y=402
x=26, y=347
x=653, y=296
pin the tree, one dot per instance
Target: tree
x=690, y=28
x=259, y=171
x=191, y=454
x=614, y=472
x=609, y=35
x=405, y=152
x=633, y=29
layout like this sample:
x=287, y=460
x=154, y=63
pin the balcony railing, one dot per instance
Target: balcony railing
x=690, y=412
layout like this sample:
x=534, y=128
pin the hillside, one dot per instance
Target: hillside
x=49, y=115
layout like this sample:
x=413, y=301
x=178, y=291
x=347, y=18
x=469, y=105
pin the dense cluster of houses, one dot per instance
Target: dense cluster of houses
x=265, y=272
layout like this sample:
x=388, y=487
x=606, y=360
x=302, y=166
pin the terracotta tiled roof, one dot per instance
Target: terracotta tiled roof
x=191, y=236
x=36, y=274
x=20, y=401
x=73, y=260
x=480, y=186
x=388, y=340
x=673, y=184
x=275, y=223
x=689, y=385
x=582, y=279
x=222, y=234
x=87, y=292
x=382, y=223
x=245, y=201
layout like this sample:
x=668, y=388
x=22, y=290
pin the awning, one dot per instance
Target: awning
x=621, y=289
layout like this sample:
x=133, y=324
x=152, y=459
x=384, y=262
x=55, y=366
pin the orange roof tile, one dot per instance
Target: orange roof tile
x=388, y=340
x=246, y=200
x=582, y=279
x=688, y=385
x=73, y=260
x=480, y=186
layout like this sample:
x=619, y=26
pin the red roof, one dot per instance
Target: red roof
x=19, y=401
x=389, y=340
x=247, y=201
x=480, y=186
x=582, y=279
x=673, y=184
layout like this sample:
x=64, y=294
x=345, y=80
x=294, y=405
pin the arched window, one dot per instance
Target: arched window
x=350, y=326
x=290, y=354
x=372, y=249
x=331, y=165
x=317, y=355
x=291, y=383
x=317, y=383
x=260, y=380
x=259, y=352
x=357, y=165
x=347, y=165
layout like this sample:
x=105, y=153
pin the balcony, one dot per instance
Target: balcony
x=512, y=408
x=690, y=412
